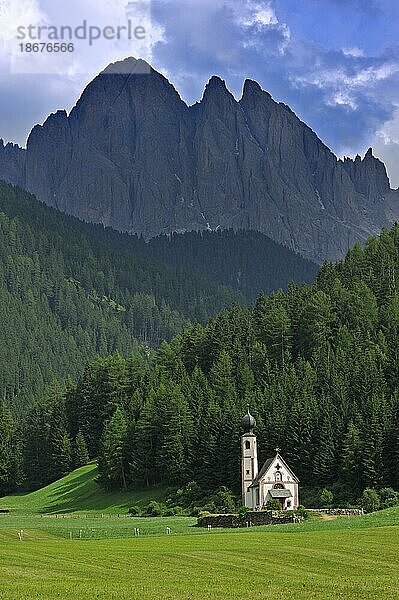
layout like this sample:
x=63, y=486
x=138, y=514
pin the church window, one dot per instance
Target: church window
x=278, y=486
x=277, y=476
x=247, y=445
x=247, y=471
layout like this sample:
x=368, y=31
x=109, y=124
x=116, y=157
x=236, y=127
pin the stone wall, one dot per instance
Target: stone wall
x=348, y=512
x=251, y=519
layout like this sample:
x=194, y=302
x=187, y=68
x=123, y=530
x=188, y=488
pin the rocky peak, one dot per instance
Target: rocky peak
x=369, y=174
x=216, y=92
x=252, y=88
x=133, y=156
x=128, y=66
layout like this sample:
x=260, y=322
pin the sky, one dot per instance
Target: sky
x=334, y=62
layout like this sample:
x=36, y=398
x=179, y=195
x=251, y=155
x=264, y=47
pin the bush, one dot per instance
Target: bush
x=388, y=497
x=174, y=511
x=224, y=500
x=370, y=500
x=326, y=498
x=273, y=504
x=209, y=508
x=302, y=512
x=135, y=511
x=195, y=511
x=243, y=511
x=154, y=509
x=189, y=494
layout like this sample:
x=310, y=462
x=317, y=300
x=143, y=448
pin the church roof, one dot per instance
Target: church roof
x=280, y=493
x=263, y=470
x=266, y=467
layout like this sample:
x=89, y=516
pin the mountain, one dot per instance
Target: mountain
x=133, y=156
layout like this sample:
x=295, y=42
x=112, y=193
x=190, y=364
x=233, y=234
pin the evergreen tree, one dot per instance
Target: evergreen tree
x=81, y=455
x=111, y=460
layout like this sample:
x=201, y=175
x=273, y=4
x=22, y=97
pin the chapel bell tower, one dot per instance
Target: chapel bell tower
x=249, y=458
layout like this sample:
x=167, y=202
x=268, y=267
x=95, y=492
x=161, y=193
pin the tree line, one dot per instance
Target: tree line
x=318, y=364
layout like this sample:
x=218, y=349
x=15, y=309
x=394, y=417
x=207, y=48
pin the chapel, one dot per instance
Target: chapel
x=274, y=480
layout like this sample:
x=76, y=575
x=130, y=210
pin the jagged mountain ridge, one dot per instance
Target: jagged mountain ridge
x=132, y=155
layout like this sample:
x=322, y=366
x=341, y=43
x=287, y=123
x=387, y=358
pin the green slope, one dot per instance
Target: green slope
x=78, y=492
x=70, y=290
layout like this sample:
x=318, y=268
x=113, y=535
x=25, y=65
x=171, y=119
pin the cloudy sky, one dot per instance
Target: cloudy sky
x=335, y=62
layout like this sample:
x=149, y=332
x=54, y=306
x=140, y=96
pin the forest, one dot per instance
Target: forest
x=318, y=364
x=70, y=290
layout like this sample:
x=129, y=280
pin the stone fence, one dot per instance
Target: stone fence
x=348, y=512
x=250, y=519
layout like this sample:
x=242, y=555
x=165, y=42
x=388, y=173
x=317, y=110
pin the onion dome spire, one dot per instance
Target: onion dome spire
x=248, y=423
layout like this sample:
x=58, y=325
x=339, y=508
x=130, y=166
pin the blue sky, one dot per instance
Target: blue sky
x=335, y=62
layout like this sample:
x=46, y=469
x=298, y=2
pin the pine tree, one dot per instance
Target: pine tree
x=10, y=457
x=351, y=456
x=81, y=455
x=111, y=460
x=325, y=458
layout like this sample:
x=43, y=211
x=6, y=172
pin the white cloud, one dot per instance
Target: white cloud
x=86, y=58
x=261, y=17
x=14, y=13
x=355, y=52
x=386, y=146
x=342, y=99
x=251, y=14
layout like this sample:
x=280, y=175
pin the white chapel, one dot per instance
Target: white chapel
x=274, y=480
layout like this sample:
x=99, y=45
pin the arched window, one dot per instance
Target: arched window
x=247, y=445
x=277, y=476
x=278, y=486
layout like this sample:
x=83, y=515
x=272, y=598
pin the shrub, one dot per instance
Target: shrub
x=210, y=508
x=224, y=500
x=243, y=511
x=174, y=511
x=370, y=500
x=273, y=504
x=154, y=509
x=388, y=497
x=195, y=511
x=135, y=511
x=302, y=512
x=326, y=498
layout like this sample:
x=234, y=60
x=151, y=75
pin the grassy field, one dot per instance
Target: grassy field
x=359, y=563
x=111, y=526
x=347, y=557
x=79, y=492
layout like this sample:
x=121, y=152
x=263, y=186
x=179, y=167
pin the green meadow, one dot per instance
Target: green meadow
x=78, y=492
x=81, y=554
x=358, y=563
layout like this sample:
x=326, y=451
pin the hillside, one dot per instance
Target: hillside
x=134, y=156
x=246, y=261
x=78, y=492
x=318, y=365
x=69, y=291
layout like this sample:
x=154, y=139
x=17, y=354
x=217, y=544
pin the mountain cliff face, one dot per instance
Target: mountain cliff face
x=132, y=155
